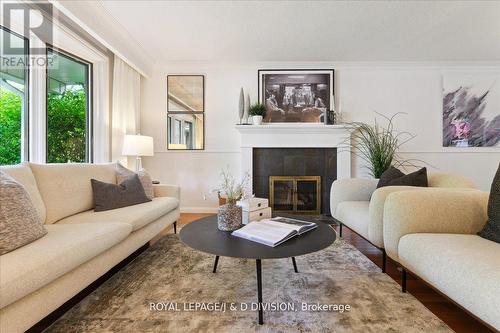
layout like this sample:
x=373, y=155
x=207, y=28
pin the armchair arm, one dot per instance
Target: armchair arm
x=434, y=210
x=377, y=202
x=355, y=189
x=164, y=190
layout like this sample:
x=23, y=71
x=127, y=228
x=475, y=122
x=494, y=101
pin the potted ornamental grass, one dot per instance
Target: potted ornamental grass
x=378, y=144
x=229, y=216
x=258, y=112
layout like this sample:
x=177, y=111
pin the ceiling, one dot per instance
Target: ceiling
x=312, y=30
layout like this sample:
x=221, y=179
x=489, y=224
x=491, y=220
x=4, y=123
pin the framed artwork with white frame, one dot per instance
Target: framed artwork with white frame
x=471, y=109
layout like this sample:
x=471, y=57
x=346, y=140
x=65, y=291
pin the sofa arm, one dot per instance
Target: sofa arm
x=164, y=190
x=433, y=210
x=355, y=189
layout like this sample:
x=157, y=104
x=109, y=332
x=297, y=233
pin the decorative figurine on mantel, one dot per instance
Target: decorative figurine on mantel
x=241, y=106
x=332, y=117
x=247, y=110
x=229, y=216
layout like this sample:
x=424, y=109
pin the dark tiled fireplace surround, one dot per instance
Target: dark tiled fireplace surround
x=295, y=162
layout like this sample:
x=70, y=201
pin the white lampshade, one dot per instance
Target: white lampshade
x=137, y=145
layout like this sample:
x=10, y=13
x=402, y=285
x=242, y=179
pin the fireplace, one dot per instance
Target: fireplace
x=295, y=150
x=296, y=180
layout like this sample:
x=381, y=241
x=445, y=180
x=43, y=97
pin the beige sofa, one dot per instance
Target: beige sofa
x=359, y=205
x=433, y=235
x=80, y=246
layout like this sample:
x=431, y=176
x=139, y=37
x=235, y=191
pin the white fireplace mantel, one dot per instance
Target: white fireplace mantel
x=293, y=135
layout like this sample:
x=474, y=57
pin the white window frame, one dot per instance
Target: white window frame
x=25, y=112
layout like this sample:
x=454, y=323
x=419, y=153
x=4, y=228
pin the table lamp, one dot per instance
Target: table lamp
x=137, y=145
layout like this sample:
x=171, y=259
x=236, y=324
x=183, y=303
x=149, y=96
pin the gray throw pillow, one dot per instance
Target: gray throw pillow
x=122, y=173
x=491, y=230
x=395, y=177
x=111, y=196
x=388, y=175
x=19, y=221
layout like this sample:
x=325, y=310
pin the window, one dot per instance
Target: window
x=13, y=100
x=186, y=112
x=69, y=133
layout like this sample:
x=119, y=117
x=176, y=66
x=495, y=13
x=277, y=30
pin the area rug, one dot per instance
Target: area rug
x=171, y=288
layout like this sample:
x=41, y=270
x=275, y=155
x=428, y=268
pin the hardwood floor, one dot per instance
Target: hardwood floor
x=183, y=220
x=456, y=318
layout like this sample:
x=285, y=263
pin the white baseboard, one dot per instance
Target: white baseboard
x=199, y=209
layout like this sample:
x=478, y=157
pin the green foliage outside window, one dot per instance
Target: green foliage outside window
x=66, y=127
x=10, y=127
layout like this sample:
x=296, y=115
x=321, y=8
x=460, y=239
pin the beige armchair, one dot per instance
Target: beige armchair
x=432, y=234
x=359, y=205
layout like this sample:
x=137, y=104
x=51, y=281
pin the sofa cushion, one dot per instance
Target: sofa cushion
x=138, y=215
x=66, y=189
x=23, y=175
x=19, y=222
x=355, y=215
x=64, y=248
x=466, y=268
x=449, y=180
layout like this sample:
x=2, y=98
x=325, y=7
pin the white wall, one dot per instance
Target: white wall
x=363, y=88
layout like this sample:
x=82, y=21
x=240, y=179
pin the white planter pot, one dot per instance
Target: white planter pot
x=257, y=120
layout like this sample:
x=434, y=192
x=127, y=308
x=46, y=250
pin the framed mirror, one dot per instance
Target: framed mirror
x=185, y=112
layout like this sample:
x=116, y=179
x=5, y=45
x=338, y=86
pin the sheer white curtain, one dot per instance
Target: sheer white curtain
x=126, y=106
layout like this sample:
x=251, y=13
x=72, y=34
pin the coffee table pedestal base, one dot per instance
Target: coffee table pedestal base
x=259, y=290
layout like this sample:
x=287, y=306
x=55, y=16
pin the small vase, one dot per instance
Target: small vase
x=229, y=217
x=241, y=106
x=257, y=120
x=463, y=143
x=246, y=110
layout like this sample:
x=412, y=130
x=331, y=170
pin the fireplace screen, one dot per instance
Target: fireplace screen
x=295, y=194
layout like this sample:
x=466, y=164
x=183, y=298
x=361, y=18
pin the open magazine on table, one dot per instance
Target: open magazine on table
x=273, y=232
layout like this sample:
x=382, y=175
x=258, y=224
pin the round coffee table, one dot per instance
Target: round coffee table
x=203, y=235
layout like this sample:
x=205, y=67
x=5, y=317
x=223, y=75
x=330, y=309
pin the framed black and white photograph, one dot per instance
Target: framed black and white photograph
x=296, y=95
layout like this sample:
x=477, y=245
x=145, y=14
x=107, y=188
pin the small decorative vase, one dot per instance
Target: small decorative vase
x=330, y=117
x=229, y=217
x=246, y=110
x=257, y=120
x=463, y=143
x=241, y=106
